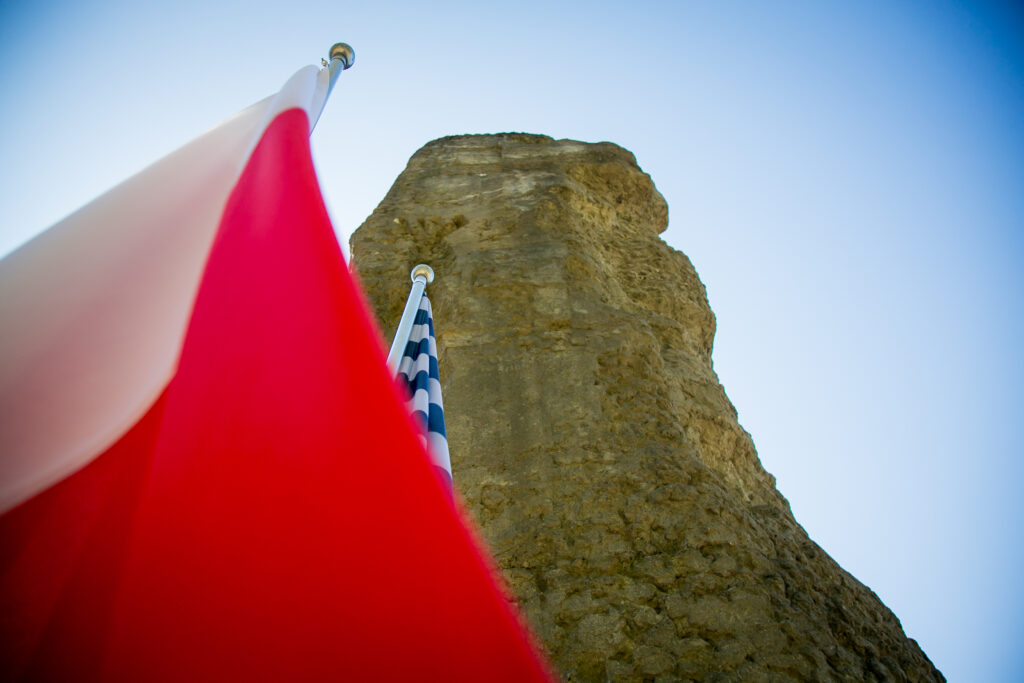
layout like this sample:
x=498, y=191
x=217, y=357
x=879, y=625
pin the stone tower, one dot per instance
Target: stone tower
x=590, y=438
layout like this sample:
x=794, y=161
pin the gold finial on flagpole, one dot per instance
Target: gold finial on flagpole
x=422, y=270
x=345, y=53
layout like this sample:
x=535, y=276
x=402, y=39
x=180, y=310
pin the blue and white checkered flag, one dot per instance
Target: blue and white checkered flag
x=418, y=370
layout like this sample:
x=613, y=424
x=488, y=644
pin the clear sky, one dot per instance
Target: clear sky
x=848, y=179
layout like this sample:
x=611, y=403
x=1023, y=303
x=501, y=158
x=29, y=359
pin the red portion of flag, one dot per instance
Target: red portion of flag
x=274, y=517
x=61, y=554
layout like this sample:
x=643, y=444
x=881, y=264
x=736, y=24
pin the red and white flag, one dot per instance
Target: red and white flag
x=206, y=471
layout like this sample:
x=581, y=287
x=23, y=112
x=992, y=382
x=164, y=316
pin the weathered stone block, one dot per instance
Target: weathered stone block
x=589, y=434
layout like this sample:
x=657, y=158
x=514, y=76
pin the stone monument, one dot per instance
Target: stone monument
x=591, y=440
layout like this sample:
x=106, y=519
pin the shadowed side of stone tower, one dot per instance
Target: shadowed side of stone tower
x=590, y=437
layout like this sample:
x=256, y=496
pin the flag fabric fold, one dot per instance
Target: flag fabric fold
x=418, y=372
x=209, y=473
x=94, y=310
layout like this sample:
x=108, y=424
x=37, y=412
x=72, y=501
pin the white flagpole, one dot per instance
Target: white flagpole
x=422, y=275
x=342, y=57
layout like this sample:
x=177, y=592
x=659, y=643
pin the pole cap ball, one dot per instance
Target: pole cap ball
x=345, y=53
x=422, y=270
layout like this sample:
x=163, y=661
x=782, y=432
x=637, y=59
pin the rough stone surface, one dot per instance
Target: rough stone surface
x=590, y=437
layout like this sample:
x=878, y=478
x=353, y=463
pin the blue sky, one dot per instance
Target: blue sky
x=847, y=179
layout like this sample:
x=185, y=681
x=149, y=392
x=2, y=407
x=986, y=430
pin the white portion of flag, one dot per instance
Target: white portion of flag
x=307, y=89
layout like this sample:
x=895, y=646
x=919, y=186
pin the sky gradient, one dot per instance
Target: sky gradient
x=846, y=178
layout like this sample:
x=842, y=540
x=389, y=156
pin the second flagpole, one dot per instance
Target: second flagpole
x=422, y=275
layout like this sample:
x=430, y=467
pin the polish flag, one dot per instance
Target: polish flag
x=206, y=471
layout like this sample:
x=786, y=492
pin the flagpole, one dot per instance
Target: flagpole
x=422, y=275
x=342, y=57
